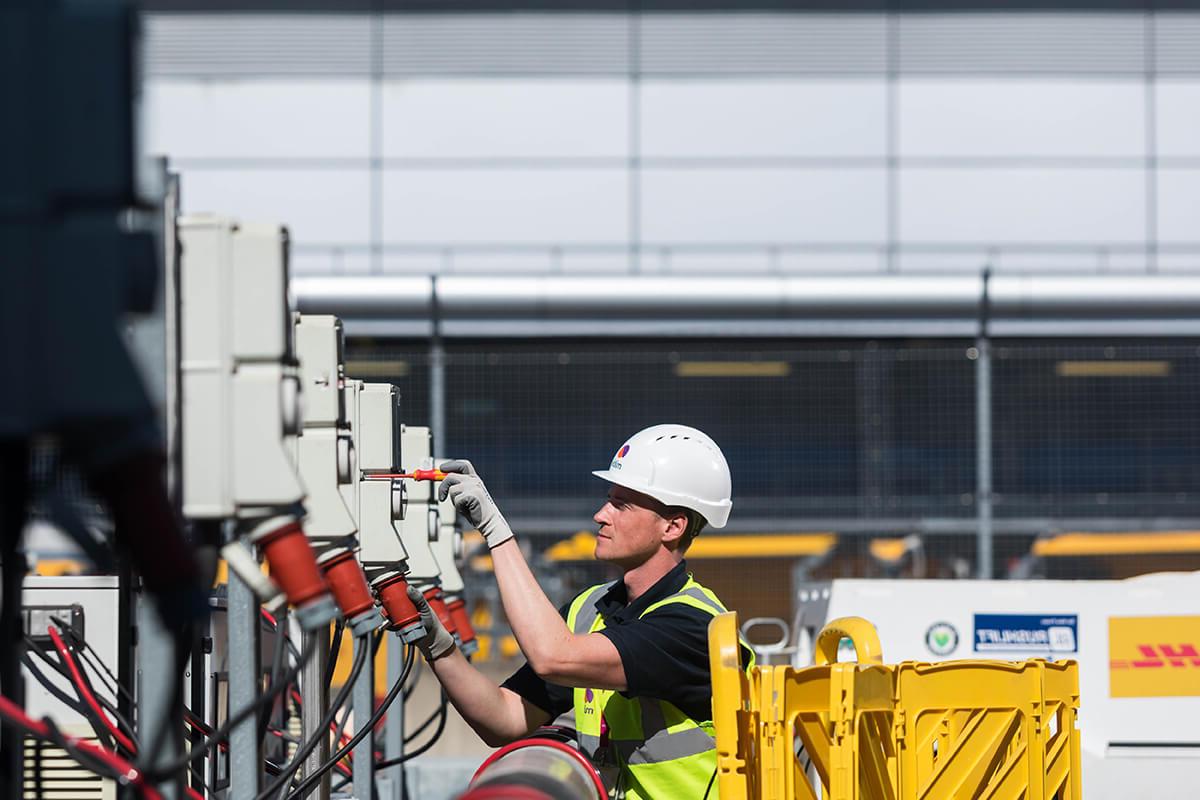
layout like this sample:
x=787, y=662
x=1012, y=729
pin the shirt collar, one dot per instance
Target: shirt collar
x=613, y=605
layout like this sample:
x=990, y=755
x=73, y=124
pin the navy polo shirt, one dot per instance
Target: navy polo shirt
x=664, y=653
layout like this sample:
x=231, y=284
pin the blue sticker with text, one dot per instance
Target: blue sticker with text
x=1026, y=633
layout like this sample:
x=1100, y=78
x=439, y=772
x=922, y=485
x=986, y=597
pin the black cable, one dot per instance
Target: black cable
x=222, y=733
x=419, y=667
x=85, y=759
x=309, y=780
x=335, y=647
x=710, y=783
x=412, y=737
x=264, y=716
x=89, y=654
x=282, y=783
x=61, y=669
x=391, y=762
x=341, y=725
x=290, y=646
x=72, y=703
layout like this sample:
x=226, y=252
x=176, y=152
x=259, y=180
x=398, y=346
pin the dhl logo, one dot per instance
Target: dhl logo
x=1140, y=666
x=1184, y=656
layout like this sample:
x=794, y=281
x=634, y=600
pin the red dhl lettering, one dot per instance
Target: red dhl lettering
x=1161, y=655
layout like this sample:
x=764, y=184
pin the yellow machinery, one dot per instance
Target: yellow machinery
x=909, y=731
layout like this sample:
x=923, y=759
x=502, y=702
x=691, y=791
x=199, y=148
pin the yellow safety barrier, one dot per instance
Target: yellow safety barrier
x=912, y=731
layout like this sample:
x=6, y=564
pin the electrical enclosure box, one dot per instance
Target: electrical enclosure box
x=91, y=603
x=373, y=414
x=447, y=548
x=419, y=527
x=240, y=390
x=325, y=449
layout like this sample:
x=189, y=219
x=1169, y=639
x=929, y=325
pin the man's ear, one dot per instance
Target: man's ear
x=677, y=525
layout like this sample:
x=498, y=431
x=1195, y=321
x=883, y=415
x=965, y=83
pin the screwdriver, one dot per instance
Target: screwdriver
x=415, y=475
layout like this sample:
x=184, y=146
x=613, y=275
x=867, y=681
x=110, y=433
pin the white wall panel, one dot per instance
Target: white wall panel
x=273, y=118
x=525, y=118
x=1178, y=123
x=317, y=206
x=763, y=205
x=1179, y=206
x=765, y=117
x=553, y=206
x=1021, y=117
x=1022, y=206
x=329, y=261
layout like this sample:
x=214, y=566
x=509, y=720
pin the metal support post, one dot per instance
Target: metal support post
x=245, y=671
x=875, y=473
x=126, y=649
x=364, y=707
x=393, y=731
x=160, y=717
x=316, y=700
x=983, y=440
x=437, y=379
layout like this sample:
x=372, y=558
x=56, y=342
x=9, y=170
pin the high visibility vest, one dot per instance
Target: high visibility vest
x=661, y=753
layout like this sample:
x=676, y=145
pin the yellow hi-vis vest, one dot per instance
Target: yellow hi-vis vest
x=661, y=752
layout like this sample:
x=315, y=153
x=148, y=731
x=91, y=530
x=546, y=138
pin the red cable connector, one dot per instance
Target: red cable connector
x=293, y=564
x=462, y=622
x=402, y=616
x=437, y=604
x=348, y=583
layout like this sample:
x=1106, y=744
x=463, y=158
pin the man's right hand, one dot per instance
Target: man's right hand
x=465, y=488
x=437, y=641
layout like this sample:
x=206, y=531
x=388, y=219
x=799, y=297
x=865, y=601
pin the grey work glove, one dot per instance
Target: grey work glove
x=437, y=641
x=471, y=499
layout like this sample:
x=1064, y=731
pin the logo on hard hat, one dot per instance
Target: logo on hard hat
x=624, y=451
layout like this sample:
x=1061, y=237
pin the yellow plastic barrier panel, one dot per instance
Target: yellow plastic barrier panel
x=913, y=731
x=989, y=729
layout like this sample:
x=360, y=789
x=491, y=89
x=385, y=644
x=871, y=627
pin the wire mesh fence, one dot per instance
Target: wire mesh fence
x=874, y=442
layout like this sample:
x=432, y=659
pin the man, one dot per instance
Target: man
x=630, y=658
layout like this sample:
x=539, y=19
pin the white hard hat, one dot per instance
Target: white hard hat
x=678, y=466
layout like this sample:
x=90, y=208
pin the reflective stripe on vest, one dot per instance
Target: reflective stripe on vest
x=646, y=755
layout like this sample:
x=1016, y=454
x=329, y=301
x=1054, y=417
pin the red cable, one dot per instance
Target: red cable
x=85, y=693
x=123, y=768
x=206, y=731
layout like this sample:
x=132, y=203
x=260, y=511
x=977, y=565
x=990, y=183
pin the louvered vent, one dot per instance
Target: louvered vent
x=1023, y=42
x=522, y=43
x=1177, y=42
x=767, y=43
x=51, y=774
x=215, y=45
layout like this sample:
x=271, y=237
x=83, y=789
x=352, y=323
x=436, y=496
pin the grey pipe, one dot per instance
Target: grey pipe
x=469, y=304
